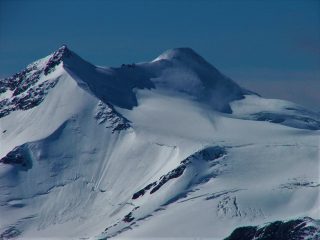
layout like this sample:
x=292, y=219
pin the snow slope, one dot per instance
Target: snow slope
x=167, y=148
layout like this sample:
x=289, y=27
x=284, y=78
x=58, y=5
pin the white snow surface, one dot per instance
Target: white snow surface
x=82, y=172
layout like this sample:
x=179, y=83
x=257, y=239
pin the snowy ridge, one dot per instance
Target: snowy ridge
x=130, y=151
x=195, y=170
x=275, y=111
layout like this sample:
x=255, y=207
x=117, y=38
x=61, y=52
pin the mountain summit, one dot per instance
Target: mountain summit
x=167, y=148
x=181, y=54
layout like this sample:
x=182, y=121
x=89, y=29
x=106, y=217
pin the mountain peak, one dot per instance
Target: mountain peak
x=63, y=49
x=61, y=53
x=180, y=54
x=28, y=88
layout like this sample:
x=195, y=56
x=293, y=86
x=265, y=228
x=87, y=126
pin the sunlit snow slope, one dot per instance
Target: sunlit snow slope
x=167, y=148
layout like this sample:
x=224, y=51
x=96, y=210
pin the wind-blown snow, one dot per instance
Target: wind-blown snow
x=169, y=148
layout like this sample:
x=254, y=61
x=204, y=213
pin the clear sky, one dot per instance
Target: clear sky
x=272, y=46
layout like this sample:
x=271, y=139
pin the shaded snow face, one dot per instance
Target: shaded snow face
x=111, y=85
x=183, y=72
x=193, y=75
x=180, y=80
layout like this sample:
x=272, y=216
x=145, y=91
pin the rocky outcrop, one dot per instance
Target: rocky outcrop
x=299, y=229
x=107, y=115
x=24, y=90
x=208, y=154
x=18, y=156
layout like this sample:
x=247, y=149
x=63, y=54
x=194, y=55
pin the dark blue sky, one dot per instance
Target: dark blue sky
x=270, y=46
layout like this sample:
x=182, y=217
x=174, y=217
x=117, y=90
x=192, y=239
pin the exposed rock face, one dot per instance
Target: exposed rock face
x=10, y=233
x=175, y=173
x=56, y=59
x=299, y=229
x=106, y=114
x=142, y=191
x=208, y=155
x=23, y=90
x=18, y=156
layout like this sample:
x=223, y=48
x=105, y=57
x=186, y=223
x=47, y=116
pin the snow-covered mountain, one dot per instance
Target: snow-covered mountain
x=167, y=148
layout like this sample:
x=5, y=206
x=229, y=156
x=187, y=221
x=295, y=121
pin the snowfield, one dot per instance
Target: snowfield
x=170, y=148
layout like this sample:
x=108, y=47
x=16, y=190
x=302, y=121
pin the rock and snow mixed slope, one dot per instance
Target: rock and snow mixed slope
x=304, y=228
x=167, y=148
